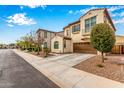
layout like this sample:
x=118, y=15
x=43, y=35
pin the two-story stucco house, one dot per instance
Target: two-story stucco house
x=77, y=34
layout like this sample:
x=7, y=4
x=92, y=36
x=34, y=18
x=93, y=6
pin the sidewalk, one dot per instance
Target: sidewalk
x=66, y=76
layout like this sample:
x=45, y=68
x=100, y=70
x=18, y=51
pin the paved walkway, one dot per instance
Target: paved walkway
x=64, y=74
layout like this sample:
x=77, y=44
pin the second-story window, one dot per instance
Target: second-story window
x=67, y=32
x=76, y=28
x=89, y=23
x=45, y=34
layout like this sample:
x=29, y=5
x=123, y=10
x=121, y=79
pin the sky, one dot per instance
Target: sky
x=18, y=20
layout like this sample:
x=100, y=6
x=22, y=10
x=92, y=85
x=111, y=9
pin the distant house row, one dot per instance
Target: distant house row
x=75, y=37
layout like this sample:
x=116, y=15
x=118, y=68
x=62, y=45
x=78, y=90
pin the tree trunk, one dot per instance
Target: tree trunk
x=38, y=50
x=102, y=57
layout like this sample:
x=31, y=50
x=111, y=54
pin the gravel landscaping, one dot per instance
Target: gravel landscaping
x=109, y=69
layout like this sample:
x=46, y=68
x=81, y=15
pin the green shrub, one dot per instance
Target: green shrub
x=29, y=49
x=36, y=49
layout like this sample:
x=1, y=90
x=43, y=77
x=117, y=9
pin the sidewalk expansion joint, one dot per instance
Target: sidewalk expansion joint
x=79, y=80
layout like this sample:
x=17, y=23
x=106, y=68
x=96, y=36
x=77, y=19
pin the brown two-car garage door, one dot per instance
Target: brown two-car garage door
x=83, y=48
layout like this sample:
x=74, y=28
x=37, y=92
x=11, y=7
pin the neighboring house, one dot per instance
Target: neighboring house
x=46, y=36
x=77, y=34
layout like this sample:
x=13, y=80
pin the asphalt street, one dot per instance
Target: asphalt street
x=15, y=72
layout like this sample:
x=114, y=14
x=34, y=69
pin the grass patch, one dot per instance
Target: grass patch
x=100, y=65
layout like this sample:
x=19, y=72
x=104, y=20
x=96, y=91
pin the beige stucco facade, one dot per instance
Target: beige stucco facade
x=119, y=40
x=65, y=45
x=69, y=46
x=101, y=17
x=60, y=47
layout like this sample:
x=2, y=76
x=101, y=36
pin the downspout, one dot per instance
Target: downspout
x=63, y=45
x=50, y=42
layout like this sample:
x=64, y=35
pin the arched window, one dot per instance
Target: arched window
x=56, y=45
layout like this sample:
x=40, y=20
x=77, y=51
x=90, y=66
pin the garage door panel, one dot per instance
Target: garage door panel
x=83, y=48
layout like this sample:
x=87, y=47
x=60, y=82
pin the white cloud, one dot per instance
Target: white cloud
x=21, y=7
x=111, y=9
x=81, y=11
x=121, y=14
x=87, y=9
x=36, y=6
x=113, y=14
x=115, y=8
x=33, y=6
x=119, y=21
x=20, y=19
x=70, y=11
x=118, y=16
x=10, y=25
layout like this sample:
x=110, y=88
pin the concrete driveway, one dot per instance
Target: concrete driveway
x=69, y=59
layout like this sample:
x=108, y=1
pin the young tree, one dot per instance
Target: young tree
x=32, y=40
x=1, y=45
x=102, y=38
x=39, y=41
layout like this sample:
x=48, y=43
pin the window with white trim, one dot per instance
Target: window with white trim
x=89, y=23
x=76, y=28
x=56, y=45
